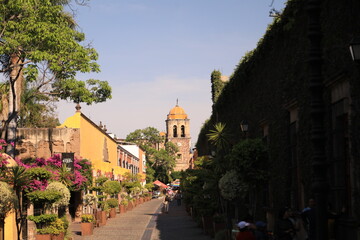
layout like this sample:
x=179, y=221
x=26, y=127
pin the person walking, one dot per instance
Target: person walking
x=284, y=229
x=166, y=203
x=244, y=232
x=178, y=198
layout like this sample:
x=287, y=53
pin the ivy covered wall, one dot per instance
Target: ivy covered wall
x=271, y=81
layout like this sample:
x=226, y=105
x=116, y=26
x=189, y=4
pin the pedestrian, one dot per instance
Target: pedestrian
x=299, y=231
x=284, y=229
x=308, y=218
x=244, y=232
x=261, y=231
x=178, y=198
x=166, y=203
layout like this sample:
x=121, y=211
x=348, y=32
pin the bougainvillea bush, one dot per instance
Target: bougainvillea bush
x=38, y=170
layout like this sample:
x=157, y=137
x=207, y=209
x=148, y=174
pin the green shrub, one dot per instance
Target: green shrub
x=89, y=200
x=87, y=218
x=56, y=227
x=111, y=187
x=112, y=202
x=124, y=202
x=63, y=190
x=43, y=218
x=7, y=199
x=44, y=197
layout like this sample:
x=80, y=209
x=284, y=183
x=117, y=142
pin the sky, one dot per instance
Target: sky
x=153, y=52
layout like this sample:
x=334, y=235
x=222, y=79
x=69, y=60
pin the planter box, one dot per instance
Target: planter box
x=218, y=227
x=101, y=217
x=87, y=229
x=122, y=209
x=112, y=213
x=42, y=236
x=207, y=222
x=60, y=236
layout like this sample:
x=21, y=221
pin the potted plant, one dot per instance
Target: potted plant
x=218, y=223
x=112, y=203
x=123, y=205
x=49, y=227
x=87, y=224
x=89, y=202
x=43, y=222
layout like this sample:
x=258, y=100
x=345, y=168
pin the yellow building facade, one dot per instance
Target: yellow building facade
x=97, y=146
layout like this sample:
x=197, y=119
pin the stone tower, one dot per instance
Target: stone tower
x=178, y=132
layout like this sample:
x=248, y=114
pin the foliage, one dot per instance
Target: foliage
x=40, y=170
x=130, y=186
x=44, y=198
x=43, y=218
x=89, y=200
x=87, y=218
x=249, y=158
x=7, y=199
x=149, y=186
x=63, y=190
x=219, y=136
x=39, y=178
x=231, y=187
x=216, y=85
x=112, y=202
x=39, y=40
x=111, y=187
x=176, y=174
x=124, y=202
x=55, y=227
x=101, y=180
x=199, y=188
x=146, y=138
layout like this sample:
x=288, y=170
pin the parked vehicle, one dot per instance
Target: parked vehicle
x=156, y=194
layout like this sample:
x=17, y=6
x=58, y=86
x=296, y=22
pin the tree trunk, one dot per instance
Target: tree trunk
x=16, y=86
x=2, y=228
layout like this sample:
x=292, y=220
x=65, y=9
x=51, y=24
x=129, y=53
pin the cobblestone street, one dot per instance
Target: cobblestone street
x=146, y=222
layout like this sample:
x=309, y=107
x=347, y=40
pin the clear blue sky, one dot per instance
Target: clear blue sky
x=153, y=52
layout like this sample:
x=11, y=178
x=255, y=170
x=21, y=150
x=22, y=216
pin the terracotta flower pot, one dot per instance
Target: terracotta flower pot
x=43, y=237
x=122, y=209
x=60, y=236
x=87, y=228
x=207, y=222
x=218, y=226
x=112, y=213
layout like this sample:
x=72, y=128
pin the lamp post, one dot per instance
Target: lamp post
x=317, y=110
x=244, y=126
x=355, y=49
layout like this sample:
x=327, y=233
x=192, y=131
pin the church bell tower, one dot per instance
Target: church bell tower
x=178, y=132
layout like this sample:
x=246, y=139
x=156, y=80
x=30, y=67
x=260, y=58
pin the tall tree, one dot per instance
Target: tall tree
x=160, y=162
x=36, y=33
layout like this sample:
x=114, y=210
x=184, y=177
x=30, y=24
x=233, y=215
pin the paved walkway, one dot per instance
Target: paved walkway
x=146, y=222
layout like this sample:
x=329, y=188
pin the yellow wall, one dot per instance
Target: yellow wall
x=10, y=227
x=93, y=142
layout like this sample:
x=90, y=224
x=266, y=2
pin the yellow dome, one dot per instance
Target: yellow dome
x=177, y=113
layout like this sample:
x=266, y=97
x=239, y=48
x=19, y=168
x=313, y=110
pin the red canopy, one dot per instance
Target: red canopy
x=160, y=184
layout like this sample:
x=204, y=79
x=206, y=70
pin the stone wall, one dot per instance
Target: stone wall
x=44, y=142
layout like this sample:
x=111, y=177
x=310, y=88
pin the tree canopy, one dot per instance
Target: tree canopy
x=160, y=160
x=40, y=44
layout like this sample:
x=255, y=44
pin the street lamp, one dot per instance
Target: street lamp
x=244, y=125
x=355, y=49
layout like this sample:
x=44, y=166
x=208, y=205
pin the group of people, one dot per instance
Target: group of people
x=290, y=225
x=169, y=196
x=250, y=231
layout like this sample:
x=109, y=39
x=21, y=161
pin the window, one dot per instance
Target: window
x=175, y=131
x=182, y=131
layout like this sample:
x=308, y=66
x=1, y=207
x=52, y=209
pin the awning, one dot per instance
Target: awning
x=160, y=184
